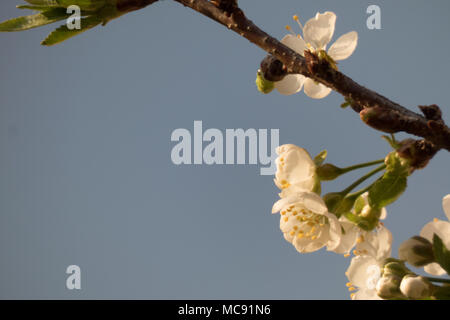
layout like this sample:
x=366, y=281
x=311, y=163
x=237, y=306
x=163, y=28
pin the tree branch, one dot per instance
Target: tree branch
x=375, y=110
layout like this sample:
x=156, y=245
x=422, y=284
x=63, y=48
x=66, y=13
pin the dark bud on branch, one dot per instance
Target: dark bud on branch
x=418, y=152
x=273, y=69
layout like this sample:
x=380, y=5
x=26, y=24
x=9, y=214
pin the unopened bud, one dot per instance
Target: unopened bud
x=416, y=287
x=265, y=86
x=388, y=287
x=396, y=268
x=328, y=171
x=417, y=251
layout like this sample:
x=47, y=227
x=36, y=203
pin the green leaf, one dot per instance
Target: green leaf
x=63, y=33
x=391, y=185
x=392, y=141
x=320, y=158
x=33, y=21
x=441, y=253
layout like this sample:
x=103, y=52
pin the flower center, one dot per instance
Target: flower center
x=307, y=224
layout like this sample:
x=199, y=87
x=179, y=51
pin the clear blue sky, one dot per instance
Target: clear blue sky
x=86, y=174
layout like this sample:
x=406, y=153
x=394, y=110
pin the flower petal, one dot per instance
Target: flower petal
x=383, y=214
x=295, y=168
x=360, y=271
x=376, y=244
x=348, y=239
x=316, y=90
x=366, y=294
x=291, y=84
x=446, y=206
x=295, y=43
x=344, y=46
x=334, y=232
x=434, y=269
x=439, y=227
x=319, y=30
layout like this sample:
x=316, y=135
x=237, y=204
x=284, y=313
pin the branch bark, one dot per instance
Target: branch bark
x=375, y=110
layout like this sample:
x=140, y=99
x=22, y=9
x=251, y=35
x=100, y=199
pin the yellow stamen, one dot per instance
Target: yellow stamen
x=351, y=289
x=349, y=284
x=346, y=255
x=435, y=219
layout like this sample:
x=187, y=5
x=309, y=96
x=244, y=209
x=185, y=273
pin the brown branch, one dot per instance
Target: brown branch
x=375, y=110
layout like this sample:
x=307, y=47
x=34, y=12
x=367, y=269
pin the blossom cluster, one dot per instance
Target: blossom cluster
x=307, y=223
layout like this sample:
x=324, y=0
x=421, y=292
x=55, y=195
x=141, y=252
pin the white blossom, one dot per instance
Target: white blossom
x=415, y=287
x=306, y=222
x=365, y=268
x=442, y=229
x=317, y=33
x=355, y=236
x=296, y=171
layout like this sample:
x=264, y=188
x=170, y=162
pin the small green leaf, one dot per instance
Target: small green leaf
x=391, y=185
x=392, y=141
x=33, y=21
x=441, y=253
x=320, y=158
x=264, y=86
x=63, y=33
x=348, y=102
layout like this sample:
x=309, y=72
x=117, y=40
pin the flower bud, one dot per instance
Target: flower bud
x=265, y=86
x=328, y=172
x=396, y=268
x=416, y=287
x=417, y=251
x=388, y=287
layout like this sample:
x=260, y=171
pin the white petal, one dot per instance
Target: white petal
x=296, y=167
x=319, y=30
x=446, y=206
x=344, y=46
x=316, y=90
x=291, y=84
x=280, y=204
x=348, y=239
x=366, y=294
x=384, y=243
x=306, y=245
x=335, y=232
x=376, y=244
x=439, y=227
x=434, y=269
x=360, y=271
x=314, y=203
x=295, y=43
x=383, y=214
